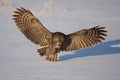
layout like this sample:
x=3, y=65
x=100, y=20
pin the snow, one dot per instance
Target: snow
x=18, y=56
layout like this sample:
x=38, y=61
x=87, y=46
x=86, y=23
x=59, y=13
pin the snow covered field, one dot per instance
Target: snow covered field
x=18, y=56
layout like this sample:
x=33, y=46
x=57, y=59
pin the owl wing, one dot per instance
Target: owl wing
x=31, y=27
x=84, y=38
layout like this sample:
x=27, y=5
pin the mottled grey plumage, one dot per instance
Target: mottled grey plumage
x=53, y=43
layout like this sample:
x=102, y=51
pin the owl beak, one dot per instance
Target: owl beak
x=58, y=46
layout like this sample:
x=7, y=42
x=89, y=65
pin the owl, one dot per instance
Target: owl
x=51, y=43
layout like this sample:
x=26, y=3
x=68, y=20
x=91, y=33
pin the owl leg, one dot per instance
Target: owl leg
x=42, y=50
x=52, y=57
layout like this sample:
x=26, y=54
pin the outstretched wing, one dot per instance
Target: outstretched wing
x=84, y=38
x=31, y=27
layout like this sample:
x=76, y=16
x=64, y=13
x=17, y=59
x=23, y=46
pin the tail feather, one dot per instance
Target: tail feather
x=49, y=53
x=52, y=57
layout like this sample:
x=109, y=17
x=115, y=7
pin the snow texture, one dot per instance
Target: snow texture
x=18, y=56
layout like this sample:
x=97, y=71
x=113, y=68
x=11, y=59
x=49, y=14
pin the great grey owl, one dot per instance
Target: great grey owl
x=53, y=42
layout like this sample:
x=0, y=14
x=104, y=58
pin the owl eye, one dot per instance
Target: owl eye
x=57, y=41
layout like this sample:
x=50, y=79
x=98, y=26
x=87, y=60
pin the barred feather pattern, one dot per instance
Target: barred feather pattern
x=84, y=38
x=31, y=27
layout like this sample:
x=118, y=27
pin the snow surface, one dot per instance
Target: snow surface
x=18, y=56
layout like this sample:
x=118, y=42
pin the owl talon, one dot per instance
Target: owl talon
x=42, y=50
x=54, y=57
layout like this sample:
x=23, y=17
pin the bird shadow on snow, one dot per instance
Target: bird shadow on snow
x=101, y=49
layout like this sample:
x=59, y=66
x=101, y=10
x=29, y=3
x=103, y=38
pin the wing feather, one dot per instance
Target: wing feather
x=31, y=27
x=84, y=38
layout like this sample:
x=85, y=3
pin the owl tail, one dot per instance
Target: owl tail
x=42, y=50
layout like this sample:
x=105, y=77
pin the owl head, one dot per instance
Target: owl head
x=58, y=39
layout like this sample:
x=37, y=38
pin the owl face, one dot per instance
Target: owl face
x=58, y=39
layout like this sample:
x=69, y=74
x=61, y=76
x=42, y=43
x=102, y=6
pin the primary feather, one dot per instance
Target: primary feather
x=31, y=27
x=84, y=38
